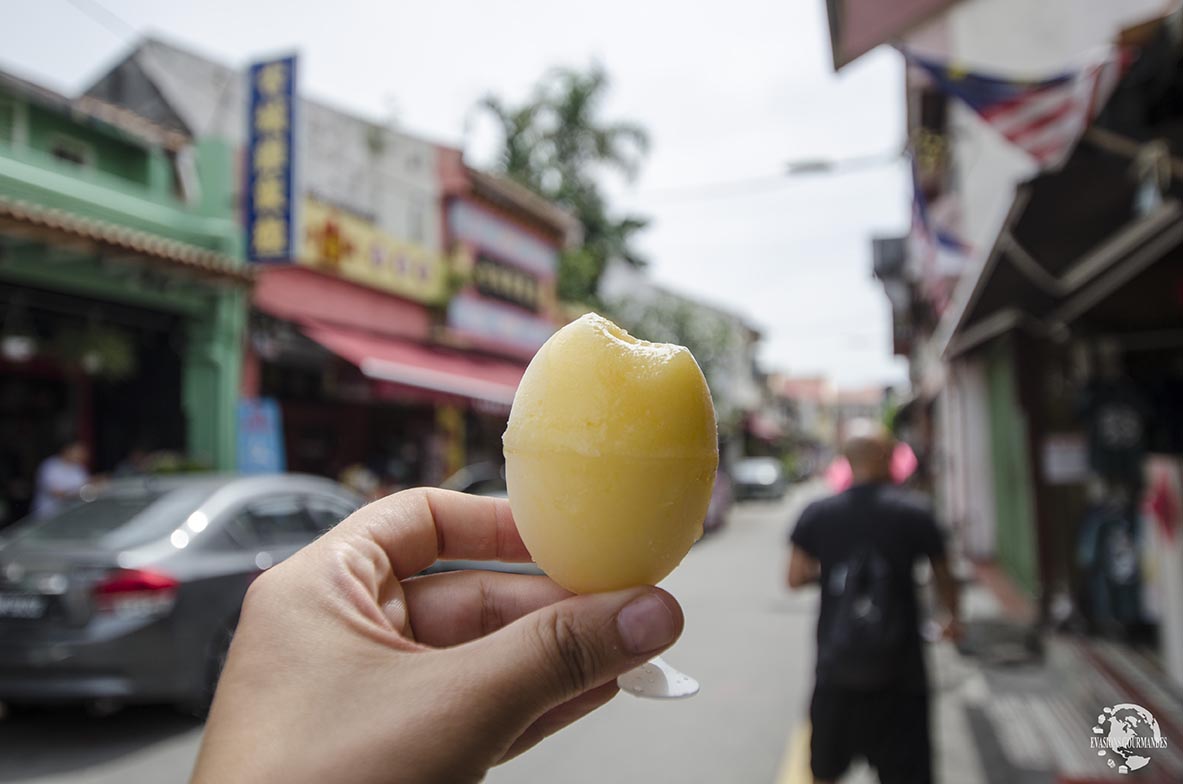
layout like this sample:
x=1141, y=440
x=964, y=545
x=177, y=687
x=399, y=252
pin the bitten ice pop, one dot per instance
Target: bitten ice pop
x=610, y=456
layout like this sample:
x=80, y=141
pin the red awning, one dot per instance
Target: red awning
x=424, y=367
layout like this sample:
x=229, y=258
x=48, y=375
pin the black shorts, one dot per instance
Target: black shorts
x=888, y=729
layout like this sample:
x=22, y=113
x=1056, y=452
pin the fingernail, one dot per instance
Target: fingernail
x=646, y=624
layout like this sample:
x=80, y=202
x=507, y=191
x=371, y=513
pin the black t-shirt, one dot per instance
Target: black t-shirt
x=901, y=528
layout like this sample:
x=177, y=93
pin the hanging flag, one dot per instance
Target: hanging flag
x=1044, y=118
x=936, y=249
x=938, y=255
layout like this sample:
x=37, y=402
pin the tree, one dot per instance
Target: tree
x=558, y=145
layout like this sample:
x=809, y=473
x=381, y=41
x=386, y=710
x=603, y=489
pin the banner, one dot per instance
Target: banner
x=271, y=117
x=351, y=246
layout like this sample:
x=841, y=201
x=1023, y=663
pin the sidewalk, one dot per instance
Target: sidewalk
x=1011, y=708
x=1030, y=704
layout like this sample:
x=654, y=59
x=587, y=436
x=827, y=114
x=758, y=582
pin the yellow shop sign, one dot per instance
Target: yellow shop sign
x=345, y=244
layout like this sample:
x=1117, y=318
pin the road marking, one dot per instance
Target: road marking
x=794, y=765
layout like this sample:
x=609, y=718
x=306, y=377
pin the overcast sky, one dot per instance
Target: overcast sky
x=728, y=95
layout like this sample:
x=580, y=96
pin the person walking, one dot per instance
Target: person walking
x=871, y=692
x=60, y=479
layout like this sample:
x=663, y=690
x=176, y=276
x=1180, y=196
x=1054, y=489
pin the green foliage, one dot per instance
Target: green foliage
x=558, y=145
x=579, y=271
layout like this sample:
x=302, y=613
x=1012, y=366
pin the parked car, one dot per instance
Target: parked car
x=479, y=479
x=486, y=479
x=722, y=498
x=134, y=595
x=758, y=477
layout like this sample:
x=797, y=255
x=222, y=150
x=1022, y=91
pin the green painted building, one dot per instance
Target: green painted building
x=122, y=290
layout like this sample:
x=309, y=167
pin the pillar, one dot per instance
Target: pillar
x=212, y=373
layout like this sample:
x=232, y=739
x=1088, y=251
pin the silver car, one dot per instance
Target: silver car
x=133, y=596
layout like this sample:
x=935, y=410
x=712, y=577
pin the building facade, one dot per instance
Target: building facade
x=121, y=283
x=1046, y=349
x=395, y=331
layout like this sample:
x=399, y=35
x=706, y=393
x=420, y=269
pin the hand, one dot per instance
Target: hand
x=345, y=668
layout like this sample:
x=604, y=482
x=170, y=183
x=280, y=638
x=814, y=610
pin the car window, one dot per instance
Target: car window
x=326, y=511
x=116, y=520
x=487, y=487
x=275, y=521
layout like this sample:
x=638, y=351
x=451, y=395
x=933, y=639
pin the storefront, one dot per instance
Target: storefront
x=505, y=243
x=122, y=302
x=361, y=382
x=1075, y=324
x=93, y=351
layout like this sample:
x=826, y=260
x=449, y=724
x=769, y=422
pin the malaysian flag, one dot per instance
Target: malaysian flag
x=1044, y=118
x=938, y=255
x=936, y=250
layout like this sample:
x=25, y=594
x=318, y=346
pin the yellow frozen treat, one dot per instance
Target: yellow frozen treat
x=610, y=456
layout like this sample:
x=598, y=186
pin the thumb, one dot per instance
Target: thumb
x=561, y=651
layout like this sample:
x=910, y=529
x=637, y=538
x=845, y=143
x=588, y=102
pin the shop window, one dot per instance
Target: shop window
x=71, y=150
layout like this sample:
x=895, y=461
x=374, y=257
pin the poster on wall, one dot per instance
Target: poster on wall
x=269, y=170
x=260, y=436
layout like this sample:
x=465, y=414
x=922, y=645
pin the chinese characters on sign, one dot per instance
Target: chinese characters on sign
x=351, y=246
x=269, y=154
x=504, y=282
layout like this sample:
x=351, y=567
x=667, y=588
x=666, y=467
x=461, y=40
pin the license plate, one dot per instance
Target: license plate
x=22, y=605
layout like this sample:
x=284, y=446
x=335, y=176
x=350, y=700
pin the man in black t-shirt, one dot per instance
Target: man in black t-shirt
x=870, y=697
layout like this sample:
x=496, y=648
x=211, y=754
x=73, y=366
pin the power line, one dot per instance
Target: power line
x=717, y=190
x=113, y=22
x=750, y=186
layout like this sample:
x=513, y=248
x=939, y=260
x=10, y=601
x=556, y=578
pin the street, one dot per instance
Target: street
x=746, y=640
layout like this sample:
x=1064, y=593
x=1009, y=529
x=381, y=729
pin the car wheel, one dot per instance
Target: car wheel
x=218, y=649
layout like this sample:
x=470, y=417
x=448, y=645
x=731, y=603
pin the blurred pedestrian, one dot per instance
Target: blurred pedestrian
x=871, y=694
x=348, y=668
x=903, y=465
x=60, y=479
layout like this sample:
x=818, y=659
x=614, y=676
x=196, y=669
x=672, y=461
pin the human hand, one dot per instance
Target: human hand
x=345, y=668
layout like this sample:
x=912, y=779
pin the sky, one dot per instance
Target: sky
x=729, y=92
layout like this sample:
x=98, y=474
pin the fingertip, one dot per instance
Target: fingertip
x=650, y=622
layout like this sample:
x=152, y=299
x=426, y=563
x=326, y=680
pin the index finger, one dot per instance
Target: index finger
x=415, y=527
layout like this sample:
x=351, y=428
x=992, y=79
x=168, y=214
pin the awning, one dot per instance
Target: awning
x=21, y=218
x=423, y=367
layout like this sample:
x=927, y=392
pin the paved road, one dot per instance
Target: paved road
x=745, y=640
x=748, y=643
